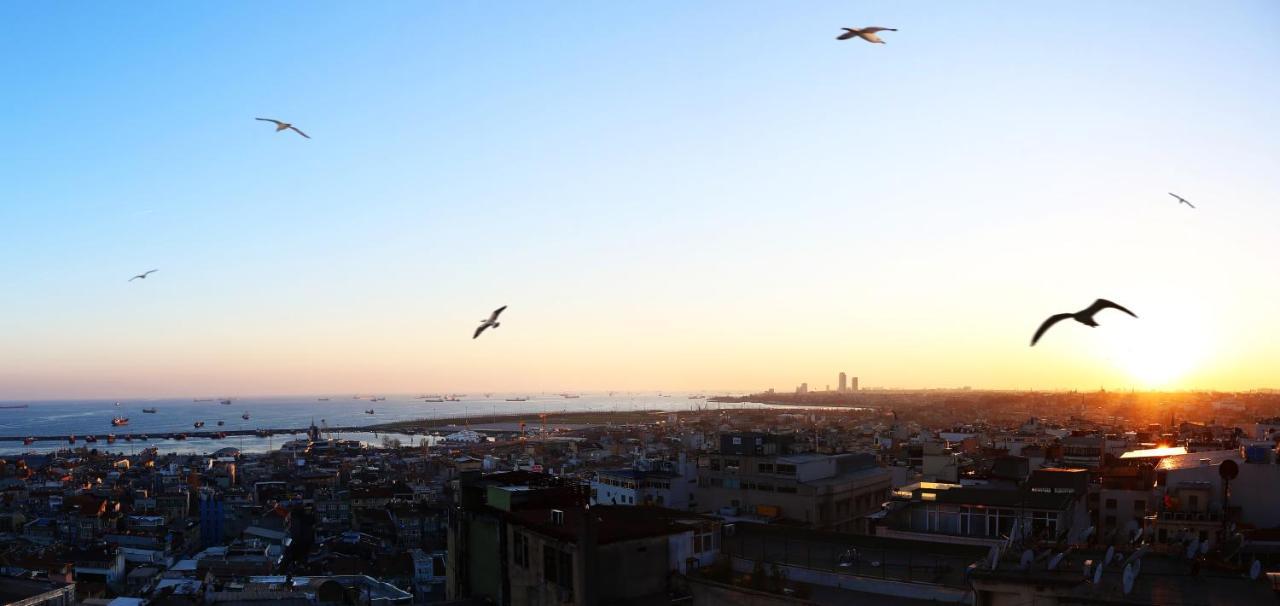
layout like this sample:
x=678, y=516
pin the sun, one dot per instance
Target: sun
x=1158, y=352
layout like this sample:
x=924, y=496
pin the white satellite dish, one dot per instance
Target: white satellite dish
x=1136, y=556
x=1111, y=552
x=1255, y=569
x=1129, y=575
x=1097, y=573
x=1088, y=533
x=1055, y=560
x=1193, y=548
x=1028, y=556
x=1137, y=535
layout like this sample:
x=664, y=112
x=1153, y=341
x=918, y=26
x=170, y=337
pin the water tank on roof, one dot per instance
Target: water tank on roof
x=1257, y=454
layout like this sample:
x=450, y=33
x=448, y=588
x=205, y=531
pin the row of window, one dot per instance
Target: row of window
x=717, y=464
x=735, y=483
x=978, y=521
x=557, y=566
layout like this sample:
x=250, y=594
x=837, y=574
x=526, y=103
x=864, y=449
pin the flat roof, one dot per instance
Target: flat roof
x=1155, y=452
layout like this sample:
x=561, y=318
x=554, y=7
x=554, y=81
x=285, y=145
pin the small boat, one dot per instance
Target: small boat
x=378, y=400
x=570, y=396
x=28, y=441
x=433, y=399
x=369, y=412
x=521, y=399
x=111, y=438
x=7, y=406
x=118, y=421
x=220, y=435
x=199, y=424
x=181, y=436
x=117, y=403
x=203, y=400
x=149, y=411
x=143, y=437
x=91, y=439
x=323, y=399
x=452, y=398
x=71, y=439
x=225, y=402
x=245, y=416
x=263, y=433
x=128, y=438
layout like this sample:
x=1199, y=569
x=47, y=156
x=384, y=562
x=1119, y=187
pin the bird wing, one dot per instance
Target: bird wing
x=872, y=30
x=269, y=120
x=134, y=278
x=494, y=315
x=1102, y=304
x=1054, y=319
x=480, y=330
x=295, y=129
x=848, y=33
x=147, y=273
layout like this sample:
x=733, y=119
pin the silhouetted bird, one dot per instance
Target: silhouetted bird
x=1182, y=200
x=866, y=33
x=1084, y=316
x=491, y=322
x=143, y=275
x=283, y=125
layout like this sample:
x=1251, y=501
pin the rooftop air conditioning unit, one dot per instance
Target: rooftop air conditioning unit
x=557, y=517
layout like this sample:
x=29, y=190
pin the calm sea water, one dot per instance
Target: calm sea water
x=81, y=417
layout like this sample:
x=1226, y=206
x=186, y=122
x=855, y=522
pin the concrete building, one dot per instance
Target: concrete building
x=982, y=516
x=753, y=473
x=844, y=383
x=650, y=482
x=26, y=592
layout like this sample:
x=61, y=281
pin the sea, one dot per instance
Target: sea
x=83, y=417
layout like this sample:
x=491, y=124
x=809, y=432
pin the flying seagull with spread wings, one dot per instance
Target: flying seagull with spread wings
x=492, y=321
x=866, y=33
x=1084, y=316
x=143, y=275
x=1182, y=200
x=283, y=125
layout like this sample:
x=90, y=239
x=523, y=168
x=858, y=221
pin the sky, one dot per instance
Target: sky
x=668, y=195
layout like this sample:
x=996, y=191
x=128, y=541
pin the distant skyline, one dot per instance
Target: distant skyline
x=667, y=195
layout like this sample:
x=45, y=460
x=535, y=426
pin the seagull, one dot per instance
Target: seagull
x=1182, y=200
x=866, y=33
x=283, y=125
x=491, y=321
x=1084, y=316
x=143, y=275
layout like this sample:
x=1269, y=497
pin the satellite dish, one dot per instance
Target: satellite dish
x=1097, y=574
x=1129, y=575
x=1204, y=547
x=1055, y=560
x=1027, y=557
x=1137, y=535
x=1229, y=470
x=1137, y=567
x=1130, y=526
x=995, y=557
x=1111, y=552
x=1255, y=569
x=1088, y=533
x=1193, y=548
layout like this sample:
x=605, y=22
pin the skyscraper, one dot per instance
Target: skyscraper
x=853, y=385
x=844, y=383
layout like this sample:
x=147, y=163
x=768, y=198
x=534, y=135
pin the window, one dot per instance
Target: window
x=786, y=469
x=765, y=468
x=557, y=567
x=1111, y=503
x=787, y=489
x=737, y=441
x=764, y=487
x=703, y=542
x=731, y=465
x=520, y=549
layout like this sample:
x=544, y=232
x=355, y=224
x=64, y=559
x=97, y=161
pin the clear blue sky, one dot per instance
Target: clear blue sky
x=668, y=194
